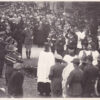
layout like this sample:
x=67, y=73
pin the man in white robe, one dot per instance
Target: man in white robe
x=46, y=60
x=81, y=35
x=66, y=71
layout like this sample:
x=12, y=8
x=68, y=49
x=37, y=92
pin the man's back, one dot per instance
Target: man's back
x=90, y=75
x=57, y=70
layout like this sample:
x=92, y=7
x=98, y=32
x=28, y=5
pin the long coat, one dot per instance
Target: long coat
x=75, y=83
x=90, y=75
x=56, y=79
x=15, y=84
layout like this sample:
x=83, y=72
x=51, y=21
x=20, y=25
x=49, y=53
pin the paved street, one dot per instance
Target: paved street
x=30, y=83
x=35, y=51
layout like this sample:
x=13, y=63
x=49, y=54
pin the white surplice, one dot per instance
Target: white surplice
x=46, y=60
x=66, y=72
x=81, y=36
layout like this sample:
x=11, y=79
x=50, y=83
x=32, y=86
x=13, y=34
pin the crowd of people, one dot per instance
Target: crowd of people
x=69, y=76
x=69, y=64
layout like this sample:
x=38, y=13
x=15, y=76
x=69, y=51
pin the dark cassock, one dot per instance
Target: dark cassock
x=35, y=31
x=60, y=45
x=53, y=42
x=19, y=35
x=72, y=41
x=40, y=35
x=46, y=29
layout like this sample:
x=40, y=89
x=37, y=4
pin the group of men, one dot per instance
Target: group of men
x=10, y=57
x=69, y=76
x=69, y=64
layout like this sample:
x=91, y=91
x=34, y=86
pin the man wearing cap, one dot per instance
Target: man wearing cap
x=90, y=76
x=56, y=77
x=74, y=81
x=46, y=60
x=10, y=58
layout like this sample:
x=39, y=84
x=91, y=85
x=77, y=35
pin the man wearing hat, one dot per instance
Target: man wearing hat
x=74, y=81
x=56, y=77
x=10, y=58
x=90, y=76
x=46, y=60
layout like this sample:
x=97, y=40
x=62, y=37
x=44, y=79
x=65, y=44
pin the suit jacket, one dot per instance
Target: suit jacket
x=90, y=75
x=56, y=78
x=75, y=82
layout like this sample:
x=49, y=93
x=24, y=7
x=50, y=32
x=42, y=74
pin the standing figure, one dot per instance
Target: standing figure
x=15, y=84
x=68, y=58
x=10, y=59
x=74, y=81
x=90, y=76
x=81, y=35
x=46, y=60
x=56, y=78
x=60, y=44
x=2, y=53
x=28, y=41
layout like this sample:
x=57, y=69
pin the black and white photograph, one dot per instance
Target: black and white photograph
x=49, y=49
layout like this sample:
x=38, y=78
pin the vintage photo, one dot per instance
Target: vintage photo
x=49, y=49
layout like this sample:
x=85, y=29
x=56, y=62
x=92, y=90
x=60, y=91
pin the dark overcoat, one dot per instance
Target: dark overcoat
x=56, y=79
x=75, y=83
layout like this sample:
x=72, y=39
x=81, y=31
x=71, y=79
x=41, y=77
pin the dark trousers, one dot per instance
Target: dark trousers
x=1, y=66
x=20, y=47
x=15, y=84
x=8, y=72
x=44, y=88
